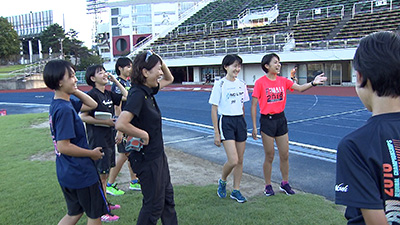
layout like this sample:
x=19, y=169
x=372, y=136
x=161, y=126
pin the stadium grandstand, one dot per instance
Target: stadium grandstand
x=316, y=35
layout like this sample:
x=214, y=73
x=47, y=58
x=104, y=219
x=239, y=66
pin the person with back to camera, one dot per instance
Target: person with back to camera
x=227, y=98
x=123, y=68
x=367, y=168
x=141, y=118
x=76, y=171
x=100, y=130
x=270, y=93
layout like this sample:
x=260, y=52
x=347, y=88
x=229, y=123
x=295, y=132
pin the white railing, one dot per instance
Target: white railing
x=322, y=12
x=184, y=16
x=327, y=44
x=371, y=6
x=262, y=43
x=248, y=45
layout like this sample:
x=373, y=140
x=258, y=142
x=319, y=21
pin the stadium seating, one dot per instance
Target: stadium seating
x=366, y=23
x=216, y=29
x=314, y=30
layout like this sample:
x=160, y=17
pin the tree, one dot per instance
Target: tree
x=88, y=60
x=73, y=46
x=9, y=43
x=53, y=38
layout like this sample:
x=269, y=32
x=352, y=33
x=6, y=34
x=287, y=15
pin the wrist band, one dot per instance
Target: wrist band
x=312, y=83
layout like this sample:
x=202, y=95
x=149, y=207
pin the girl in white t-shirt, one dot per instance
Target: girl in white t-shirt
x=227, y=98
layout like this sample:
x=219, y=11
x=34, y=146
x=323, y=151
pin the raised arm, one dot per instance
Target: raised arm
x=124, y=92
x=254, y=102
x=168, y=78
x=87, y=102
x=124, y=125
x=320, y=79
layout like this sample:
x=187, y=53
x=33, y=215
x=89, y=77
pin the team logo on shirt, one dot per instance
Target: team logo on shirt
x=108, y=103
x=391, y=170
x=53, y=136
x=275, y=94
x=233, y=96
x=341, y=188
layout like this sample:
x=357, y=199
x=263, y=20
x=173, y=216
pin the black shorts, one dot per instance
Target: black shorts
x=90, y=200
x=274, y=125
x=121, y=146
x=233, y=128
x=104, y=165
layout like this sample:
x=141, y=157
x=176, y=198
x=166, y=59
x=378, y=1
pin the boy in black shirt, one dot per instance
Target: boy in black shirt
x=100, y=129
x=367, y=179
x=123, y=68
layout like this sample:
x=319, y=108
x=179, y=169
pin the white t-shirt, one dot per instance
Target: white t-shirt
x=229, y=96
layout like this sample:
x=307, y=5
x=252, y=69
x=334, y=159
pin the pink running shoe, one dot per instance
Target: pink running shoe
x=109, y=218
x=112, y=206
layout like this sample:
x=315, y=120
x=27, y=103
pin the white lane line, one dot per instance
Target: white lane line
x=187, y=139
x=327, y=116
x=26, y=104
x=249, y=134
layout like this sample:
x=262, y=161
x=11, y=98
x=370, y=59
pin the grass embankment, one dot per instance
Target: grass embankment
x=30, y=194
x=6, y=70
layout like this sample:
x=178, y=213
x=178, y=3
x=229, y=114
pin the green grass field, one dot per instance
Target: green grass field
x=30, y=194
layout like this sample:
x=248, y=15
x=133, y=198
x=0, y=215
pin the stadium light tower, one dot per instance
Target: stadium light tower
x=95, y=7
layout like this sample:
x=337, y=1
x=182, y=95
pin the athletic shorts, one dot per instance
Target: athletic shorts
x=104, y=164
x=121, y=146
x=274, y=125
x=233, y=128
x=90, y=200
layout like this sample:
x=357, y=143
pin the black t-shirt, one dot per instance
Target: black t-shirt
x=147, y=116
x=367, y=169
x=99, y=136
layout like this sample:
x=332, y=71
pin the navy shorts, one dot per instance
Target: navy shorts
x=274, y=125
x=104, y=164
x=233, y=128
x=90, y=200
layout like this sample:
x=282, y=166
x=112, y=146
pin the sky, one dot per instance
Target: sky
x=74, y=11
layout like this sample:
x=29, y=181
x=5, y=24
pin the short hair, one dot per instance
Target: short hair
x=377, y=59
x=122, y=62
x=267, y=59
x=91, y=71
x=229, y=60
x=54, y=71
x=139, y=63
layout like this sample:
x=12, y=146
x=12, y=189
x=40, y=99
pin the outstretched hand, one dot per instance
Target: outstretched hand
x=320, y=79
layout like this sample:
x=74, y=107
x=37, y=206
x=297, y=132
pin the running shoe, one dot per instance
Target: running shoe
x=135, y=186
x=112, y=206
x=221, y=191
x=287, y=189
x=268, y=190
x=114, y=190
x=238, y=196
x=109, y=218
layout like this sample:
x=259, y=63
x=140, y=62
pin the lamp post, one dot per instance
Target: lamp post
x=61, y=48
